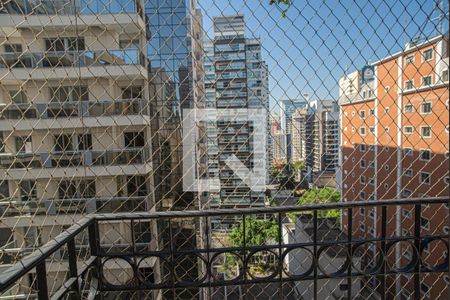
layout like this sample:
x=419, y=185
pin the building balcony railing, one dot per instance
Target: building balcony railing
x=60, y=7
x=326, y=253
x=12, y=207
x=64, y=109
x=70, y=58
x=58, y=159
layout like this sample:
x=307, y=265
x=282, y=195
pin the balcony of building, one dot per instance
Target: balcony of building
x=57, y=164
x=19, y=67
x=117, y=15
x=311, y=256
x=73, y=114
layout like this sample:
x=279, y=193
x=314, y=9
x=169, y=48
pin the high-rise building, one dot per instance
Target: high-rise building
x=288, y=107
x=75, y=121
x=236, y=77
x=315, y=138
x=277, y=141
x=395, y=142
x=177, y=82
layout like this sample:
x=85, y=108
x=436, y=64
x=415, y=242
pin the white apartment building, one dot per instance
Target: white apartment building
x=74, y=120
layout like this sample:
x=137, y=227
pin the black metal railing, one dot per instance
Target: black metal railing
x=315, y=233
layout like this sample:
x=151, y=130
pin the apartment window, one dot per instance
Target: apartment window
x=445, y=229
x=85, y=141
x=18, y=96
x=407, y=213
x=65, y=44
x=444, y=75
x=409, y=84
x=386, y=129
x=362, y=147
x=372, y=112
x=425, y=131
x=73, y=189
x=362, y=114
x=362, y=130
x=27, y=190
x=23, y=144
x=362, y=211
x=134, y=139
x=362, y=196
x=362, y=227
x=386, y=167
x=386, y=110
x=409, y=108
x=13, y=48
x=446, y=180
x=425, y=108
x=408, y=173
x=372, y=129
x=427, y=80
x=407, y=254
x=69, y=93
x=387, y=88
x=408, y=129
x=409, y=59
x=362, y=179
x=425, y=154
x=406, y=193
x=136, y=186
x=424, y=223
x=372, y=181
x=425, y=178
x=371, y=164
x=63, y=142
x=427, y=54
x=362, y=164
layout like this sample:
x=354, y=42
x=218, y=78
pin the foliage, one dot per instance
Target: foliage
x=298, y=166
x=286, y=3
x=320, y=196
x=257, y=232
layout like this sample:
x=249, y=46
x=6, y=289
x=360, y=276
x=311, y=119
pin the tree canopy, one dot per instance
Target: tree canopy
x=257, y=232
x=320, y=196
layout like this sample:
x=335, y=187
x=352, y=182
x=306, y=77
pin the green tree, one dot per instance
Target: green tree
x=298, y=166
x=257, y=232
x=320, y=196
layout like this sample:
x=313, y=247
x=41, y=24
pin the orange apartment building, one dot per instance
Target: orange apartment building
x=395, y=144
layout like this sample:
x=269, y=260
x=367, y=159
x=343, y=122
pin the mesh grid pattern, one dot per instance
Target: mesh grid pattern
x=93, y=98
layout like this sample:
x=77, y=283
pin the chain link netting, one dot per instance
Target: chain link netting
x=113, y=106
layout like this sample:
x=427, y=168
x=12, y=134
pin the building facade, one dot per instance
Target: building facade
x=288, y=108
x=75, y=122
x=236, y=77
x=395, y=143
x=315, y=139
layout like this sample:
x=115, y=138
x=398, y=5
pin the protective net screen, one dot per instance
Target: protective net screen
x=196, y=144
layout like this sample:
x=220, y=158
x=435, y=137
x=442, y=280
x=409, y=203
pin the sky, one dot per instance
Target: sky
x=319, y=41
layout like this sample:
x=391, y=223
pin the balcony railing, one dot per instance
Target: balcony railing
x=12, y=207
x=363, y=265
x=70, y=58
x=51, y=110
x=60, y=7
x=57, y=159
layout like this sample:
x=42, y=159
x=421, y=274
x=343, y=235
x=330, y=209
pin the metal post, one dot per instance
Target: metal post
x=41, y=278
x=349, y=252
x=73, y=271
x=416, y=254
x=384, y=251
x=315, y=258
